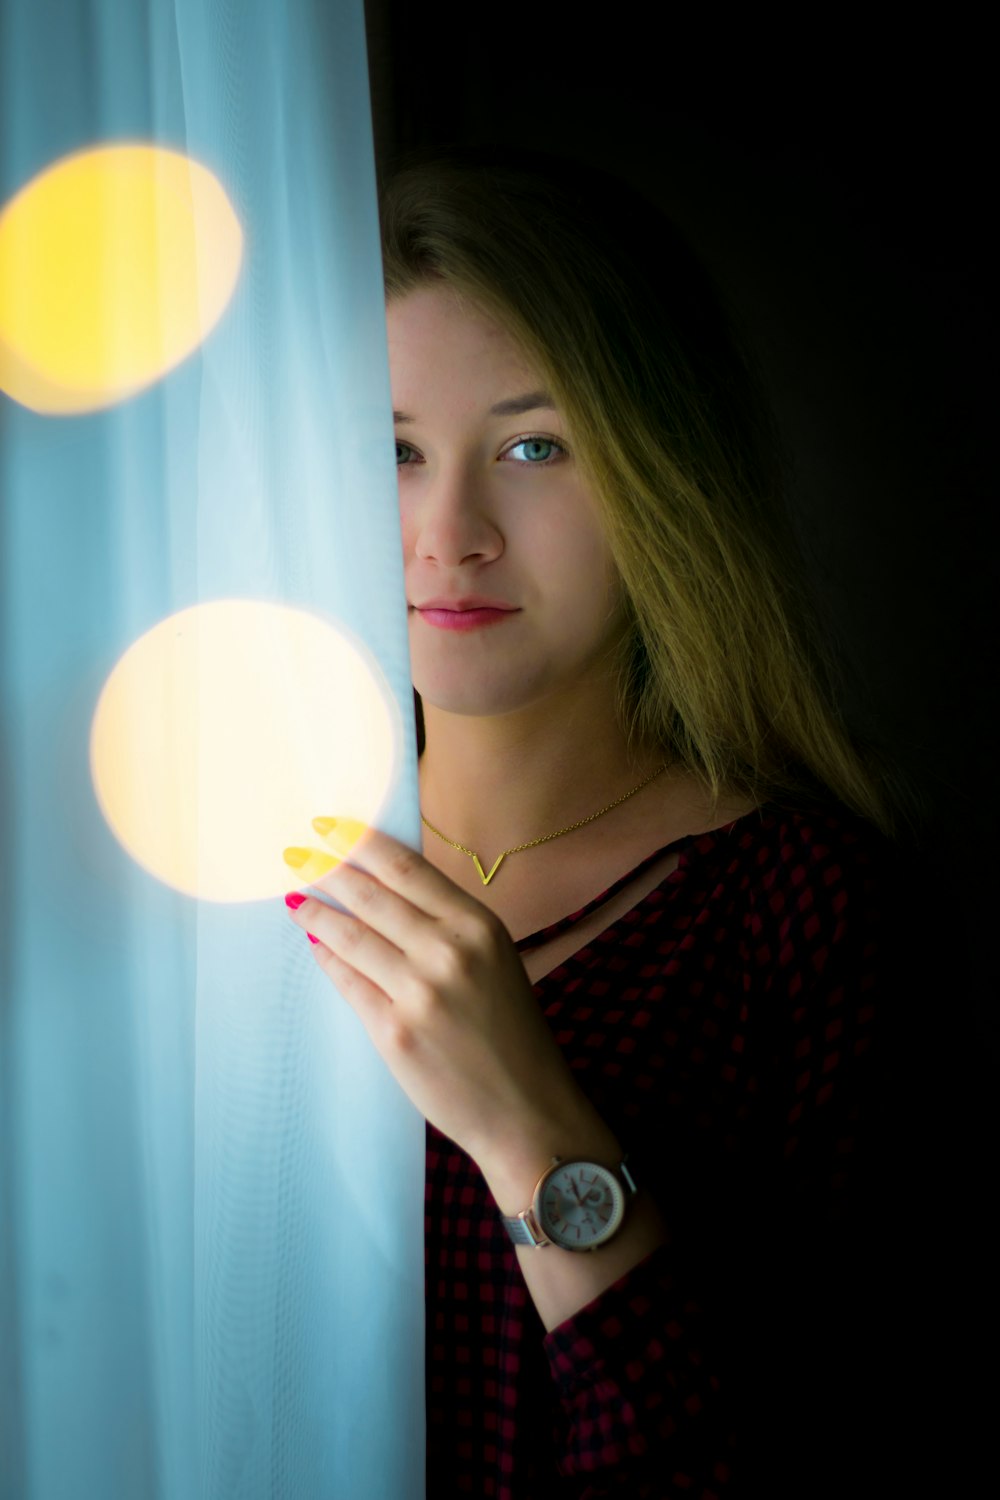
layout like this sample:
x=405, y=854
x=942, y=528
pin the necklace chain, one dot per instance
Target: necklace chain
x=533, y=843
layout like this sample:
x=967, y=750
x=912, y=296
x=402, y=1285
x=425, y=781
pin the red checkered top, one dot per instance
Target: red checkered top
x=727, y=1028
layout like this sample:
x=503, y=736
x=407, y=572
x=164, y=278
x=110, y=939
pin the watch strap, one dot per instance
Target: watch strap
x=521, y=1232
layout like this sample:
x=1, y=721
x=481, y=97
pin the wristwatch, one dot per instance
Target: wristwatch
x=577, y=1205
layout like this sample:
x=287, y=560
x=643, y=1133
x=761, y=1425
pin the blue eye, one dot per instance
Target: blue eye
x=537, y=442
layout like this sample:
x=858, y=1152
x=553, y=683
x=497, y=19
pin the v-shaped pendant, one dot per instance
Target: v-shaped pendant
x=487, y=878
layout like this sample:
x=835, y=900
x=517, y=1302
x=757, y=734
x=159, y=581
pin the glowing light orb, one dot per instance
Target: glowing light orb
x=114, y=265
x=223, y=731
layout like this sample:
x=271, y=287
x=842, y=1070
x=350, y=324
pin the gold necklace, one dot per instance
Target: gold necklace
x=533, y=842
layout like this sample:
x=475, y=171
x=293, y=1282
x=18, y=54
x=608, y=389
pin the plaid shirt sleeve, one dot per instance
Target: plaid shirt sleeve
x=637, y=1393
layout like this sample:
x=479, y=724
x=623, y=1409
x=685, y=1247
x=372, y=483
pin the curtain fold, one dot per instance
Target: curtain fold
x=211, y=1247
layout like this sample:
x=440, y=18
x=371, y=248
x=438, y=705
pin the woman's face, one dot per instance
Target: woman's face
x=493, y=509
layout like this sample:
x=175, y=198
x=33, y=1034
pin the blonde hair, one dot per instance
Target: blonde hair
x=723, y=663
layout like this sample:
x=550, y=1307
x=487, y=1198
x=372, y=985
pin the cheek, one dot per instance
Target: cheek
x=589, y=570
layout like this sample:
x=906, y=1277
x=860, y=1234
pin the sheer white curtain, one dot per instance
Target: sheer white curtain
x=211, y=1263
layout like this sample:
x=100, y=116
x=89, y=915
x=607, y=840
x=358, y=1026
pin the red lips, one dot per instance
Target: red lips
x=471, y=601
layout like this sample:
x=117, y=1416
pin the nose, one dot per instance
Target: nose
x=450, y=522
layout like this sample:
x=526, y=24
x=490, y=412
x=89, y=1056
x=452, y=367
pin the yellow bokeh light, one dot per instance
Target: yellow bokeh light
x=228, y=727
x=115, y=263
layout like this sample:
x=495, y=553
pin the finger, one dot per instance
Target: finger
x=391, y=915
x=370, y=1003
x=395, y=865
x=354, y=944
x=310, y=865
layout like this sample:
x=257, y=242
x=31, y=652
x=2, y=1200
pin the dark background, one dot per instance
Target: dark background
x=836, y=181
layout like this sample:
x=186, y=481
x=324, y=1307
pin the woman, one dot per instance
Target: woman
x=638, y=980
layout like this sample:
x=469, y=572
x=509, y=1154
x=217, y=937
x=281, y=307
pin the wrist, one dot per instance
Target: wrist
x=512, y=1171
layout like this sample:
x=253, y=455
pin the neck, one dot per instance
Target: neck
x=492, y=783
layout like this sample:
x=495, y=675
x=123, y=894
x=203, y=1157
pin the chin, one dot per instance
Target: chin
x=468, y=705
x=475, y=699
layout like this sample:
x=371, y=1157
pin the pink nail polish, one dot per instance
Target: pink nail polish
x=294, y=900
x=311, y=938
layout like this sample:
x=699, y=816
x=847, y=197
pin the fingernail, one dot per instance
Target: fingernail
x=343, y=833
x=311, y=938
x=294, y=900
x=296, y=857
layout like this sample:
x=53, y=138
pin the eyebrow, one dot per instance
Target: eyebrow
x=514, y=406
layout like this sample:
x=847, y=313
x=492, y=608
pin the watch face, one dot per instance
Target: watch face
x=581, y=1205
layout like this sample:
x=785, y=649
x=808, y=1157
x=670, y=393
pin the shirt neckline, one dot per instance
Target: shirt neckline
x=555, y=929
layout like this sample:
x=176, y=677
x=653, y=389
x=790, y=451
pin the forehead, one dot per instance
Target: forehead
x=437, y=322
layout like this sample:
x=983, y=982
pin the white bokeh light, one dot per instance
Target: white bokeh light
x=223, y=731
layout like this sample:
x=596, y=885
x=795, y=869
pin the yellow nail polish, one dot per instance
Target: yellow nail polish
x=342, y=833
x=312, y=864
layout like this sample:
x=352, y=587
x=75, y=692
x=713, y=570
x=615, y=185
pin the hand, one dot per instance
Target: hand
x=442, y=992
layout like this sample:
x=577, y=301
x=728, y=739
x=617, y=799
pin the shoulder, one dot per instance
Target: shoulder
x=814, y=831
x=818, y=848
x=820, y=886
